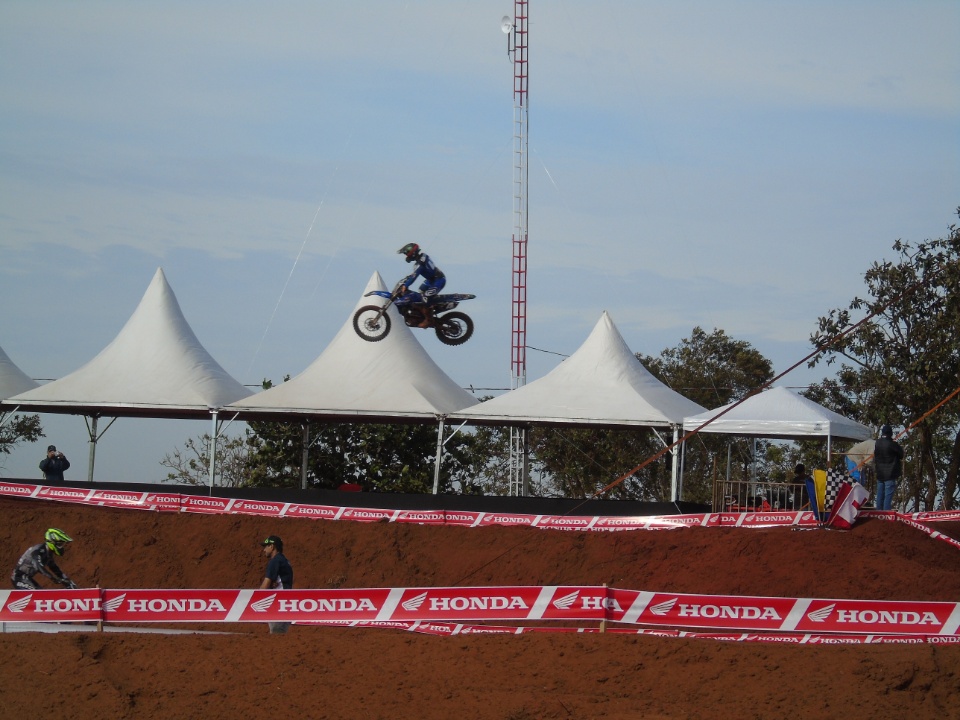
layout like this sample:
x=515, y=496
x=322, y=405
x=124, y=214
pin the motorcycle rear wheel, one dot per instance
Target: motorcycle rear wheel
x=454, y=328
x=370, y=324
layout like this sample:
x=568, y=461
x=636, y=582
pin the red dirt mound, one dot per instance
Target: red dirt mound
x=340, y=673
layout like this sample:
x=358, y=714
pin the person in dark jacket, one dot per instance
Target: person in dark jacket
x=39, y=560
x=54, y=464
x=888, y=460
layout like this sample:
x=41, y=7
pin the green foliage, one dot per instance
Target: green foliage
x=19, y=429
x=579, y=462
x=191, y=464
x=483, y=462
x=379, y=457
x=709, y=368
x=713, y=369
x=896, y=367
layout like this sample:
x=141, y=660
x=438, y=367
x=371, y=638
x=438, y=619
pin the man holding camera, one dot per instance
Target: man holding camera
x=53, y=465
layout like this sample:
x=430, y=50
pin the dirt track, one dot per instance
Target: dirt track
x=342, y=673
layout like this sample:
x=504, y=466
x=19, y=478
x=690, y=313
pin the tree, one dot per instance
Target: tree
x=713, y=369
x=709, y=368
x=191, y=465
x=485, y=466
x=905, y=359
x=380, y=457
x=579, y=462
x=19, y=429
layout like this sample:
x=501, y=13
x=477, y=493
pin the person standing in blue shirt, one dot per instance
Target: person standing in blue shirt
x=278, y=575
x=433, y=278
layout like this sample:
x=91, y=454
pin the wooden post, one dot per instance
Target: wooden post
x=603, y=623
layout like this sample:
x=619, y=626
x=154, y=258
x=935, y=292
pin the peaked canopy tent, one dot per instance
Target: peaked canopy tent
x=602, y=384
x=13, y=381
x=353, y=380
x=778, y=413
x=155, y=367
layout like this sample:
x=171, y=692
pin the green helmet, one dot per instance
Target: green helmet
x=410, y=250
x=57, y=540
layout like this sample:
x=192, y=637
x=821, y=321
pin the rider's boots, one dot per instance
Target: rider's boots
x=427, y=317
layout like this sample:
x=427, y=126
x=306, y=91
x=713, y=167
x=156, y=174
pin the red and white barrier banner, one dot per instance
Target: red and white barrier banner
x=935, y=534
x=166, y=502
x=784, y=614
x=937, y=516
x=50, y=605
x=172, y=605
x=176, y=502
x=201, y=504
x=797, y=639
x=18, y=490
x=511, y=603
x=801, y=639
x=312, y=512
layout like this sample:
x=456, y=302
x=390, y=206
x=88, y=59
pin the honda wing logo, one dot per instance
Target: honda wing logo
x=822, y=614
x=415, y=602
x=663, y=608
x=114, y=605
x=564, y=603
x=263, y=605
x=19, y=605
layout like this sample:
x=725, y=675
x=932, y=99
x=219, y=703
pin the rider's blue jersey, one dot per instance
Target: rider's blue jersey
x=426, y=269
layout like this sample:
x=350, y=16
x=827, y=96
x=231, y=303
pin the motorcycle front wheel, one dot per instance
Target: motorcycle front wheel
x=454, y=328
x=371, y=323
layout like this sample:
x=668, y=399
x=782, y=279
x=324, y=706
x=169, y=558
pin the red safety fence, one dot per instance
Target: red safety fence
x=450, y=629
x=177, y=502
x=498, y=604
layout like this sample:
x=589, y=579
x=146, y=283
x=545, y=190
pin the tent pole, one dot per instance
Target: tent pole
x=526, y=461
x=94, y=438
x=674, y=472
x=213, y=448
x=92, y=429
x=306, y=456
x=683, y=461
x=436, y=462
x=7, y=416
x=729, y=451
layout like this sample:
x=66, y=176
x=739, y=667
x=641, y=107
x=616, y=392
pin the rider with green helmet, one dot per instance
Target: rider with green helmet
x=39, y=559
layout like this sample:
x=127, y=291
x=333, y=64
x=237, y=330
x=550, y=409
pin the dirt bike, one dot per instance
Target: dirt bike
x=372, y=322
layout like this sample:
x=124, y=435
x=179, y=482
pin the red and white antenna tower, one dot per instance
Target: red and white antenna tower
x=517, y=48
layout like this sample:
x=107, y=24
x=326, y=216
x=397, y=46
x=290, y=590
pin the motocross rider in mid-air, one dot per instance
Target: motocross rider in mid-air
x=433, y=278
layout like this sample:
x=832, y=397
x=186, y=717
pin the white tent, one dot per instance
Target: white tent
x=353, y=379
x=13, y=380
x=778, y=413
x=601, y=384
x=155, y=367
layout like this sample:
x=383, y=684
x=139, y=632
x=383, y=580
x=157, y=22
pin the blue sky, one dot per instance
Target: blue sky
x=735, y=165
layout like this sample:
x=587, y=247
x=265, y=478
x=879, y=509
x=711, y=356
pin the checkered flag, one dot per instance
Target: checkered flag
x=835, y=481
